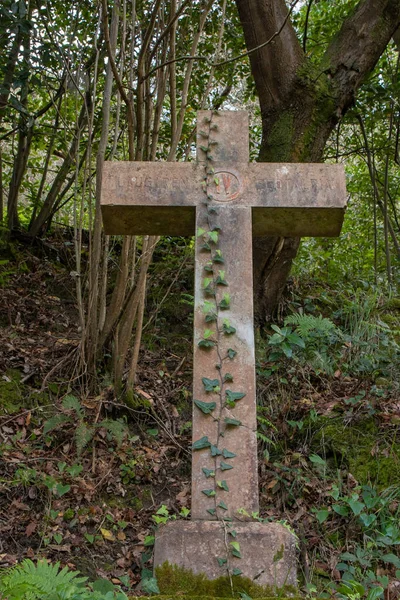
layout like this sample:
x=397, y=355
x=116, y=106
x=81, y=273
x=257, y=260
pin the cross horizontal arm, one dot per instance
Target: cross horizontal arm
x=147, y=198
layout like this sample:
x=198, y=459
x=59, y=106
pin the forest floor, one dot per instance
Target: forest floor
x=87, y=480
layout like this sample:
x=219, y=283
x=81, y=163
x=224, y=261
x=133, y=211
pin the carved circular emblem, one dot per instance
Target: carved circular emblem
x=226, y=186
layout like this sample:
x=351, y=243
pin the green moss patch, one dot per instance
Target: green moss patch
x=363, y=452
x=177, y=581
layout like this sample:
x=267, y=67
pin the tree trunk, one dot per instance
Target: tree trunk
x=301, y=102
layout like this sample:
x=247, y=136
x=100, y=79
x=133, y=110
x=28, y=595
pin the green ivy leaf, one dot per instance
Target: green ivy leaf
x=208, y=472
x=203, y=134
x=206, y=344
x=201, y=443
x=224, y=466
x=232, y=422
x=208, y=333
x=215, y=451
x=204, y=148
x=211, y=318
x=231, y=353
x=237, y=571
x=228, y=329
x=225, y=302
x=208, y=267
x=227, y=454
x=210, y=385
x=208, y=493
x=222, y=561
x=205, y=247
x=223, y=485
x=200, y=231
x=220, y=280
x=222, y=505
x=235, y=549
x=234, y=396
x=218, y=258
x=233, y=533
x=205, y=407
x=322, y=515
x=206, y=282
x=228, y=378
x=213, y=237
x=211, y=511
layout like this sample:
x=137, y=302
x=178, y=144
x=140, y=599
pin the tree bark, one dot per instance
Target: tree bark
x=301, y=103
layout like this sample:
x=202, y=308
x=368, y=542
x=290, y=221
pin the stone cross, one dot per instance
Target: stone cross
x=243, y=200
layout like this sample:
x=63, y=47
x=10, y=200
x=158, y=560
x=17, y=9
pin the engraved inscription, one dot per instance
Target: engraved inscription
x=226, y=186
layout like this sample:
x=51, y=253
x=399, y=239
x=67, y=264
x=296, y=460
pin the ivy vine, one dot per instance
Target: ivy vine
x=216, y=299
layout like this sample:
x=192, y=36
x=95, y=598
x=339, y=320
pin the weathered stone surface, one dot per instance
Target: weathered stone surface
x=197, y=545
x=235, y=245
x=144, y=198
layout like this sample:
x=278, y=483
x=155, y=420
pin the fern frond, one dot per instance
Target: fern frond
x=307, y=324
x=118, y=429
x=28, y=581
x=72, y=403
x=83, y=435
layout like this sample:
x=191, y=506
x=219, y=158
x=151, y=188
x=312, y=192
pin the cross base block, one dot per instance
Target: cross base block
x=268, y=550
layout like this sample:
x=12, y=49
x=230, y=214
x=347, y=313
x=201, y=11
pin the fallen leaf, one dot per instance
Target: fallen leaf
x=107, y=535
x=30, y=528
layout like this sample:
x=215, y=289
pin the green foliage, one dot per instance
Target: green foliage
x=44, y=581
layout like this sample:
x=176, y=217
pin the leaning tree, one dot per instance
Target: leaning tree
x=303, y=95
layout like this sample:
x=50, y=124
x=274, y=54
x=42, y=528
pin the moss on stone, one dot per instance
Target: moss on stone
x=177, y=581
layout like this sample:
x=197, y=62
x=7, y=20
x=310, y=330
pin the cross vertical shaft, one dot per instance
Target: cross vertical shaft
x=235, y=247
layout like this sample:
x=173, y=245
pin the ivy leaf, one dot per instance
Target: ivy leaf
x=211, y=318
x=208, y=306
x=206, y=282
x=222, y=505
x=231, y=353
x=216, y=228
x=227, y=454
x=203, y=134
x=237, y=571
x=222, y=561
x=211, y=511
x=232, y=422
x=213, y=237
x=208, y=472
x=204, y=148
x=221, y=278
x=213, y=209
x=206, y=344
x=223, y=485
x=218, y=258
x=205, y=247
x=234, y=396
x=210, y=385
x=209, y=493
x=205, y=407
x=215, y=451
x=208, y=333
x=200, y=231
x=224, y=466
x=235, y=549
x=228, y=329
x=208, y=267
x=201, y=443
x=228, y=377
x=216, y=180
x=233, y=532
x=225, y=302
